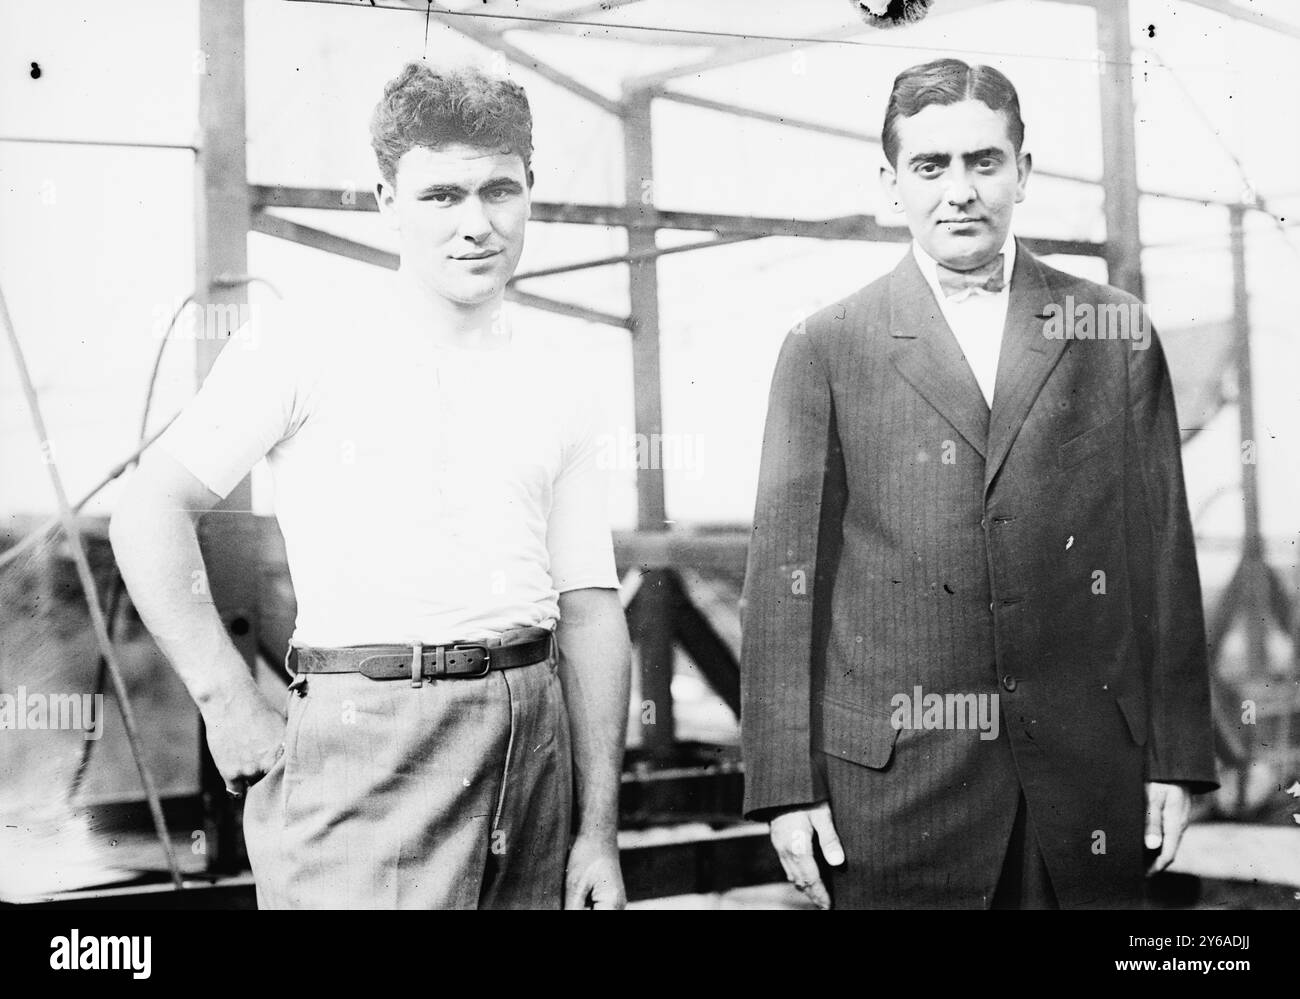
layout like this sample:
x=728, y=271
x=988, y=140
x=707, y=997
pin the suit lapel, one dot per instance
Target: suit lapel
x=1025, y=360
x=926, y=353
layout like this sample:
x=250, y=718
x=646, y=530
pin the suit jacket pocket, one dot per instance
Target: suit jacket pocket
x=856, y=734
x=1091, y=442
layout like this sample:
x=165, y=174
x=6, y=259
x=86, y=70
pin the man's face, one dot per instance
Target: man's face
x=460, y=213
x=957, y=180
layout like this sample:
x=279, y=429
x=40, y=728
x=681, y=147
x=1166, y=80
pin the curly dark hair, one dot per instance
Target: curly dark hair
x=948, y=81
x=423, y=106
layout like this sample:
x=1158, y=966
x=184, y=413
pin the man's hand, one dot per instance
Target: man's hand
x=593, y=879
x=1168, y=807
x=595, y=672
x=245, y=736
x=153, y=536
x=792, y=835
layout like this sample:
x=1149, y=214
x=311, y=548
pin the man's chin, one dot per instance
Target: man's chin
x=964, y=253
x=471, y=295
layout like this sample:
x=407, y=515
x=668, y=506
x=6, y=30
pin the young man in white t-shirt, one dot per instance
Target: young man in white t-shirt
x=443, y=513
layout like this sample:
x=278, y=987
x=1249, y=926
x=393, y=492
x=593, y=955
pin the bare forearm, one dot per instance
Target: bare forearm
x=595, y=670
x=158, y=553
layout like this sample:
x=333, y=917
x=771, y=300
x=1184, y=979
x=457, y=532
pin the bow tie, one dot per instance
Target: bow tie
x=961, y=283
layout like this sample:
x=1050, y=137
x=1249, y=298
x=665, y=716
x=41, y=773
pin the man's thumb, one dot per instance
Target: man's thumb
x=1155, y=805
x=830, y=842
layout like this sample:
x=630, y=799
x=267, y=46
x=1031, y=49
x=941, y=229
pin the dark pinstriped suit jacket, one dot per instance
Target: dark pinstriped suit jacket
x=905, y=536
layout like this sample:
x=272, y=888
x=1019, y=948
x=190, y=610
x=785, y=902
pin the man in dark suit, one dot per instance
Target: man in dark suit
x=974, y=667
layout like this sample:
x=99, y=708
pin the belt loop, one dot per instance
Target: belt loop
x=417, y=665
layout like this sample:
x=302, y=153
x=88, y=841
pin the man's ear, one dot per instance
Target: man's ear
x=1024, y=166
x=385, y=195
x=889, y=184
x=530, y=178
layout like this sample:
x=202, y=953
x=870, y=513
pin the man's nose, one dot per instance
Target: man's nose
x=474, y=222
x=960, y=190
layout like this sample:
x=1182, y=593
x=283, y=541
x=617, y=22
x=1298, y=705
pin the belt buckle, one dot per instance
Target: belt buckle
x=487, y=659
x=417, y=664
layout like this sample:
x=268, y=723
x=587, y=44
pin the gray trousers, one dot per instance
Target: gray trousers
x=456, y=794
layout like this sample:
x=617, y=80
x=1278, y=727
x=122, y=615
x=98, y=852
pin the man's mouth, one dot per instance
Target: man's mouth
x=481, y=255
x=960, y=221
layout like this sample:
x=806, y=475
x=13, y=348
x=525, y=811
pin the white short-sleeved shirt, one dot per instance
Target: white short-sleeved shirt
x=426, y=493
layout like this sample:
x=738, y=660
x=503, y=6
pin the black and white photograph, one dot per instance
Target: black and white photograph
x=649, y=454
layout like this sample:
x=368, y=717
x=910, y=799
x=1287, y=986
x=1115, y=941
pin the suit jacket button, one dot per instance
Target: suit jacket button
x=990, y=606
x=1009, y=682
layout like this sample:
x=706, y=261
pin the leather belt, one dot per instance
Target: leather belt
x=418, y=662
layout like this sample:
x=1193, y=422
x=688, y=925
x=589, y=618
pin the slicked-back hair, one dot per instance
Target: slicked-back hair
x=948, y=81
x=423, y=106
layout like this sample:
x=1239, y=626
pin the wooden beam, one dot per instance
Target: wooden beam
x=754, y=114
x=699, y=783
x=1119, y=148
x=706, y=624
x=651, y=624
x=569, y=309
x=643, y=288
x=628, y=258
x=855, y=227
x=714, y=862
x=1245, y=381
x=1255, y=594
x=575, y=214
x=228, y=539
x=305, y=235
x=652, y=617
x=718, y=552
x=335, y=199
x=718, y=600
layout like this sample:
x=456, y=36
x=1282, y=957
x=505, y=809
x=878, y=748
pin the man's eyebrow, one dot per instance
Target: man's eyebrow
x=991, y=153
x=939, y=159
x=441, y=189
x=503, y=183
